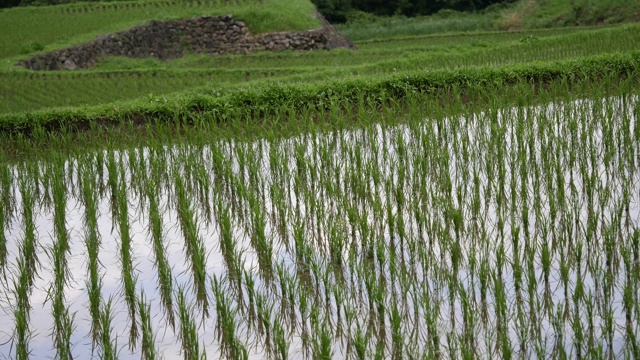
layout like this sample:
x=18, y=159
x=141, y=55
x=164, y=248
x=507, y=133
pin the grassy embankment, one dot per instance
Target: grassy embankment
x=517, y=16
x=118, y=79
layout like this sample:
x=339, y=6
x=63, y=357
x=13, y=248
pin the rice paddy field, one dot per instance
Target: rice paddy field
x=468, y=195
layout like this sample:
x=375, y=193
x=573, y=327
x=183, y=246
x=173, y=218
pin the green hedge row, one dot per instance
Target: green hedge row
x=263, y=100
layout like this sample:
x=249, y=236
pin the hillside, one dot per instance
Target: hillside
x=510, y=16
x=52, y=27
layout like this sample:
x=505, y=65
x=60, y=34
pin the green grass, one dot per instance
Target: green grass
x=549, y=13
x=520, y=15
x=383, y=28
x=52, y=27
x=153, y=81
x=29, y=91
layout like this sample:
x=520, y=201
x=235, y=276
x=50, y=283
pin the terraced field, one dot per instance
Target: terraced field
x=468, y=195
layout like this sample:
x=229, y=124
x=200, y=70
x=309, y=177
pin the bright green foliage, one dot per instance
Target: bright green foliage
x=153, y=81
x=26, y=29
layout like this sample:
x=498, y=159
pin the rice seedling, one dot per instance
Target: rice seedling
x=5, y=211
x=109, y=345
x=92, y=244
x=194, y=247
x=126, y=259
x=188, y=330
x=147, y=345
x=165, y=278
x=230, y=345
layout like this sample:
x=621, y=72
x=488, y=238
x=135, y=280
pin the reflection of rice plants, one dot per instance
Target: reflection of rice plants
x=109, y=345
x=507, y=232
x=165, y=279
x=126, y=259
x=92, y=243
x=147, y=345
x=27, y=270
x=194, y=247
x=188, y=330
x=5, y=209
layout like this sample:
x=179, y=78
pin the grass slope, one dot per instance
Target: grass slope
x=521, y=15
x=143, y=83
x=120, y=79
x=25, y=29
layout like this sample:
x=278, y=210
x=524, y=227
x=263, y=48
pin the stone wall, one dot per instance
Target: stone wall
x=170, y=39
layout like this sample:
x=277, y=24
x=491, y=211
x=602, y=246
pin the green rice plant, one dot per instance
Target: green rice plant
x=126, y=259
x=188, y=331
x=22, y=332
x=287, y=296
x=360, y=342
x=259, y=239
x=112, y=181
x=194, y=246
x=230, y=345
x=264, y=309
x=5, y=209
x=148, y=339
x=280, y=342
x=92, y=243
x=109, y=345
x=63, y=322
x=165, y=278
x=228, y=244
x=29, y=243
x=321, y=339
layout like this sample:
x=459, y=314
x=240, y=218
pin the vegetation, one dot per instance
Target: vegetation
x=341, y=10
x=494, y=230
x=459, y=195
x=52, y=27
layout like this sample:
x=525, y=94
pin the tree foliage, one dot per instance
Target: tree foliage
x=337, y=10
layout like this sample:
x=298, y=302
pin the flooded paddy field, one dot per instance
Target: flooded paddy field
x=512, y=232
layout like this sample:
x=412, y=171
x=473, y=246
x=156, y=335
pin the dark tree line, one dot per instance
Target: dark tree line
x=337, y=10
x=12, y=3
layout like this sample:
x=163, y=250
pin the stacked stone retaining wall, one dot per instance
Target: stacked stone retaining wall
x=171, y=39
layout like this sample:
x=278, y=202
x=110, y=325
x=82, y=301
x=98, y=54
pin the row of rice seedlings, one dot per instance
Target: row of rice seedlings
x=63, y=321
x=194, y=246
x=129, y=279
x=27, y=270
x=188, y=329
x=148, y=340
x=6, y=210
x=92, y=244
x=156, y=229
